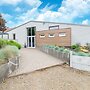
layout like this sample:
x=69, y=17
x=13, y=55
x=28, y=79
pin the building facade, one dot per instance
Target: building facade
x=37, y=33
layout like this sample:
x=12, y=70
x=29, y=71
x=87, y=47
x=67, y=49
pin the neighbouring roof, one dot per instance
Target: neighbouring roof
x=47, y=22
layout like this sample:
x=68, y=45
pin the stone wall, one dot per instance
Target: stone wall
x=8, y=68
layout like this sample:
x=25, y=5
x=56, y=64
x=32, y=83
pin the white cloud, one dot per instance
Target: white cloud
x=6, y=16
x=68, y=11
x=33, y=3
x=47, y=8
x=49, y=16
x=85, y=22
x=29, y=15
x=12, y=2
x=18, y=9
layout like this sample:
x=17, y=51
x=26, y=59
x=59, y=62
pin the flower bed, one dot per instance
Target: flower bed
x=79, y=60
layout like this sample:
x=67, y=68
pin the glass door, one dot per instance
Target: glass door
x=31, y=37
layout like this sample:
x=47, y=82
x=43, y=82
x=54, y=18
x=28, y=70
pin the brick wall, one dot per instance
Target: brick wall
x=42, y=37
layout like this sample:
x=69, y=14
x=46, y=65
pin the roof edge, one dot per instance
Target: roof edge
x=48, y=22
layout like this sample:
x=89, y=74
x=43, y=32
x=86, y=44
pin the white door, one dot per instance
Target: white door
x=31, y=37
x=31, y=41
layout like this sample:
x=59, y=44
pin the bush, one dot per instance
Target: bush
x=3, y=43
x=14, y=43
x=8, y=52
x=81, y=54
x=61, y=49
x=88, y=54
x=76, y=47
x=66, y=51
x=88, y=46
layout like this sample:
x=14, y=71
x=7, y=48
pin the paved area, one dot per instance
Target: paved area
x=33, y=59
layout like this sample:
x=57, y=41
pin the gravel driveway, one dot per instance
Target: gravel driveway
x=54, y=78
x=33, y=59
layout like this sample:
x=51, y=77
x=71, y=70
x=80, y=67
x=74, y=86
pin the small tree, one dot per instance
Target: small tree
x=2, y=25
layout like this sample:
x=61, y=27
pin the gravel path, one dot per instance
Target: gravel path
x=54, y=78
x=33, y=59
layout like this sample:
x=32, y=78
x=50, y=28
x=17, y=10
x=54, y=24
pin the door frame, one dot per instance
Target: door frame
x=31, y=36
x=31, y=42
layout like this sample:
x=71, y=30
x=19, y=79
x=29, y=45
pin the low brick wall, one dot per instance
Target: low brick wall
x=8, y=68
x=60, y=55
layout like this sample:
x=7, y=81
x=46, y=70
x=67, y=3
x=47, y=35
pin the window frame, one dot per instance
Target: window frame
x=51, y=35
x=14, y=36
x=42, y=35
x=62, y=34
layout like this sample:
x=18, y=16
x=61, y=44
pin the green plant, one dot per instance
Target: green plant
x=61, y=49
x=88, y=54
x=75, y=47
x=56, y=47
x=88, y=46
x=81, y=54
x=13, y=49
x=3, y=43
x=14, y=43
x=66, y=51
x=8, y=52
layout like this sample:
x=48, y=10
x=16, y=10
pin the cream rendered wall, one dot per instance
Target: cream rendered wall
x=79, y=33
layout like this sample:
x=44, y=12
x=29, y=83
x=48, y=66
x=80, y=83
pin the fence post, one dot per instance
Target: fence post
x=70, y=62
x=10, y=71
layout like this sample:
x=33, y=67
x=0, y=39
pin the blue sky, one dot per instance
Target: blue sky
x=17, y=12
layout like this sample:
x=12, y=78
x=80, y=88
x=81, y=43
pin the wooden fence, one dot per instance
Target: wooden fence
x=55, y=53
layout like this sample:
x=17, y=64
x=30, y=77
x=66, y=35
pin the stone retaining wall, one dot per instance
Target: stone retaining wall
x=8, y=68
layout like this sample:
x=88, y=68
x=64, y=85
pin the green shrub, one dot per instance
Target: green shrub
x=88, y=54
x=76, y=47
x=66, y=51
x=56, y=47
x=88, y=46
x=13, y=50
x=2, y=56
x=81, y=54
x=3, y=43
x=61, y=49
x=8, y=52
x=14, y=43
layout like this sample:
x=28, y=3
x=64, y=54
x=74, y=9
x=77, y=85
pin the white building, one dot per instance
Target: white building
x=79, y=33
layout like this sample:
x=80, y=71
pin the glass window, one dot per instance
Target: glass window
x=14, y=36
x=62, y=34
x=52, y=35
x=42, y=35
x=31, y=31
x=53, y=27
